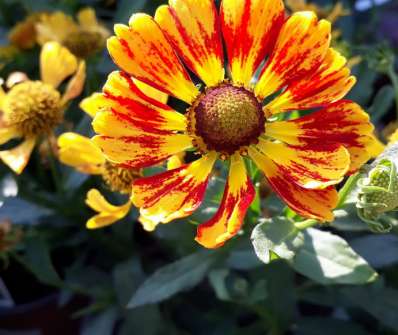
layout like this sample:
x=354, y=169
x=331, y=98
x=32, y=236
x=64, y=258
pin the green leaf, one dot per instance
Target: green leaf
x=328, y=326
x=102, y=323
x=173, y=278
x=319, y=255
x=328, y=259
x=386, y=246
x=37, y=259
x=278, y=235
x=383, y=101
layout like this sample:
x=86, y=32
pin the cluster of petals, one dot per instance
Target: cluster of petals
x=270, y=54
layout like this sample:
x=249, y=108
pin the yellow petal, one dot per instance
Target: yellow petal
x=80, y=152
x=238, y=195
x=55, y=27
x=300, y=48
x=147, y=223
x=176, y=161
x=142, y=50
x=8, y=133
x=95, y=103
x=107, y=213
x=87, y=18
x=17, y=158
x=151, y=92
x=56, y=63
x=175, y=193
x=76, y=84
x=193, y=28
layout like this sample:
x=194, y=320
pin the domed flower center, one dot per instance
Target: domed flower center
x=119, y=179
x=34, y=107
x=84, y=43
x=227, y=118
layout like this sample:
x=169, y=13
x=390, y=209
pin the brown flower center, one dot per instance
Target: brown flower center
x=84, y=43
x=119, y=179
x=34, y=107
x=226, y=118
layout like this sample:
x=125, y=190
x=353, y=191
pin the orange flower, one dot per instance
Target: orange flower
x=302, y=158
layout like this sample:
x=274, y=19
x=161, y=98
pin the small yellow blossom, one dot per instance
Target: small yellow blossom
x=32, y=108
x=83, y=38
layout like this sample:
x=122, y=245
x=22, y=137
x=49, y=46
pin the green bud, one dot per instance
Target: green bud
x=380, y=58
x=378, y=194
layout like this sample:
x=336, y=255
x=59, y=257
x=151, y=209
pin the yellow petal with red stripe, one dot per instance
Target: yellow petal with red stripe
x=127, y=141
x=193, y=28
x=238, y=195
x=175, y=193
x=313, y=204
x=123, y=93
x=81, y=153
x=151, y=92
x=342, y=122
x=331, y=82
x=56, y=63
x=300, y=48
x=142, y=50
x=250, y=28
x=312, y=166
x=107, y=213
x=17, y=158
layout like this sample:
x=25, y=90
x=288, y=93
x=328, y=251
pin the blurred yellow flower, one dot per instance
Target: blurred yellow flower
x=83, y=38
x=332, y=14
x=31, y=109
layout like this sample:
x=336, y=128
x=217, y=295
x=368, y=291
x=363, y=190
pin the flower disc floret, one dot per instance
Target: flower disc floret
x=227, y=118
x=119, y=179
x=33, y=107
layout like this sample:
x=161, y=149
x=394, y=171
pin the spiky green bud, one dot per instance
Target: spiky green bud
x=378, y=195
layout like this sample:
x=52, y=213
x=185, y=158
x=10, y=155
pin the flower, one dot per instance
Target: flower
x=231, y=119
x=331, y=14
x=83, y=39
x=81, y=153
x=31, y=109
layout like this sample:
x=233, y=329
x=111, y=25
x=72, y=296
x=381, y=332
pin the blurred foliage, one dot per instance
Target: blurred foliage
x=123, y=280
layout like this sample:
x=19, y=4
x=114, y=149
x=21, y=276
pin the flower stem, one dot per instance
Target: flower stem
x=394, y=79
x=305, y=224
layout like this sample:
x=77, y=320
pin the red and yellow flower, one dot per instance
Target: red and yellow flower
x=31, y=109
x=276, y=64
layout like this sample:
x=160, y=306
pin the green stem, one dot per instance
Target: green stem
x=394, y=79
x=306, y=224
x=54, y=170
x=347, y=188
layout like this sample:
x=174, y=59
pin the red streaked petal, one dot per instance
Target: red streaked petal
x=250, y=28
x=142, y=50
x=331, y=82
x=175, y=193
x=313, y=204
x=300, y=48
x=135, y=142
x=238, y=195
x=313, y=166
x=193, y=29
x=342, y=122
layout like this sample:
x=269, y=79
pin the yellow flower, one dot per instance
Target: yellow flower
x=81, y=153
x=83, y=38
x=230, y=119
x=332, y=14
x=32, y=109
